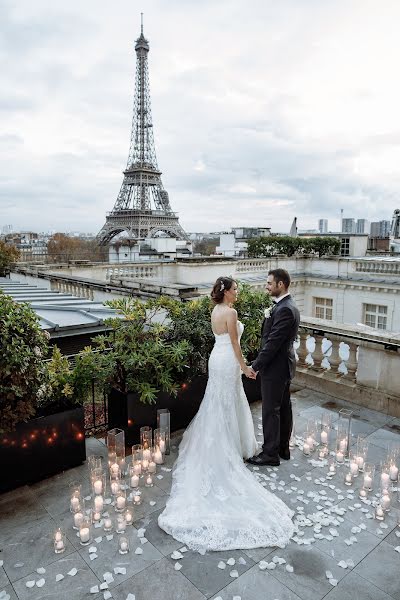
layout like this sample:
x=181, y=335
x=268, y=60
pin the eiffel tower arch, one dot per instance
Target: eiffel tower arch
x=142, y=208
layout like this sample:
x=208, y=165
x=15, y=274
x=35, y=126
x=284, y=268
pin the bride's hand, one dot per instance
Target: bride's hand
x=249, y=372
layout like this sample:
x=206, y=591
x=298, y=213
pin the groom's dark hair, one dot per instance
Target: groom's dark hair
x=280, y=275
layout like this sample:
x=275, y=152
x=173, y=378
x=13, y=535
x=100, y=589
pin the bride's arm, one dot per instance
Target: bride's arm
x=233, y=334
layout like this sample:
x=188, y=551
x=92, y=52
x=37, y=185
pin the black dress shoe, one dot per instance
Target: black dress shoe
x=284, y=454
x=262, y=459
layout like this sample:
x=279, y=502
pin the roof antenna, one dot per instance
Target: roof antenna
x=141, y=19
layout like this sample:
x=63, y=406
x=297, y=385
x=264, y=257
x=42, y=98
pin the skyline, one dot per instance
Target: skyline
x=258, y=117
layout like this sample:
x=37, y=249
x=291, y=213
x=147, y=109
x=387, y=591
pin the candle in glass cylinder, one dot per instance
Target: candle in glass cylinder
x=343, y=445
x=367, y=481
x=339, y=456
x=74, y=504
x=121, y=524
x=348, y=479
x=324, y=437
x=114, y=487
x=137, y=468
x=146, y=454
x=85, y=535
x=98, y=486
x=114, y=468
x=385, y=501
x=96, y=516
x=162, y=446
x=360, y=461
x=128, y=516
x=158, y=457
x=149, y=481
x=121, y=502
x=152, y=467
x=379, y=513
x=137, y=499
x=123, y=546
x=78, y=516
x=107, y=524
x=310, y=441
x=98, y=503
x=393, y=472
x=145, y=464
x=354, y=468
x=363, y=493
x=385, y=479
x=306, y=448
x=59, y=544
x=134, y=481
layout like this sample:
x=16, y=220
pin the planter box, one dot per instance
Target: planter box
x=42, y=447
x=126, y=412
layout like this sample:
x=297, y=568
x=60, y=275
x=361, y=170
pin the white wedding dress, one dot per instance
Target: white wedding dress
x=216, y=503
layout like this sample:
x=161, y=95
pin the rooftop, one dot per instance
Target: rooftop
x=340, y=551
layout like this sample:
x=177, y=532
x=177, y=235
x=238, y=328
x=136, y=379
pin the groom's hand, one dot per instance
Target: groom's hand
x=253, y=373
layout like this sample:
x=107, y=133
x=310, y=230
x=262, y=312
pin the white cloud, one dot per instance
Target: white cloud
x=261, y=111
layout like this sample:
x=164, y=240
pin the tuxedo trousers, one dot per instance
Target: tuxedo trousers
x=277, y=418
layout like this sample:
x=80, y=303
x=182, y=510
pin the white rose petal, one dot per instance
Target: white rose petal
x=40, y=582
x=94, y=589
x=178, y=566
x=234, y=574
x=221, y=565
x=30, y=584
x=59, y=577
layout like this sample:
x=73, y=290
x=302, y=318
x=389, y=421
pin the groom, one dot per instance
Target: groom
x=276, y=364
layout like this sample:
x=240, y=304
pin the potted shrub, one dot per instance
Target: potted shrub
x=41, y=431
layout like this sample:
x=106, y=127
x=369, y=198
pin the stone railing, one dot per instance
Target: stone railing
x=249, y=265
x=140, y=271
x=354, y=363
x=382, y=267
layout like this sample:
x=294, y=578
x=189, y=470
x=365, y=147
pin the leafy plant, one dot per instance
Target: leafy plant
x=23, y=374
x=9, y=254
x=266, y=247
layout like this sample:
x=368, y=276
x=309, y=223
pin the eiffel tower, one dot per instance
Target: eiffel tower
x=142, y=208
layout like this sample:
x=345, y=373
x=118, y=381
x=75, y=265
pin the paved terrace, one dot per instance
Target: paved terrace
x=368, y=550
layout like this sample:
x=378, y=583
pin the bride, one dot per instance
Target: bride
x=216, y=503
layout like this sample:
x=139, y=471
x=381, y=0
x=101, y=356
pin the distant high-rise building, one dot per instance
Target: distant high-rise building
x=348, y=226
x=323, y=225
x=380, y=229
x=362, y=226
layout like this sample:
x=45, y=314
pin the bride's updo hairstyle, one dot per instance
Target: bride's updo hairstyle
x=222, y=284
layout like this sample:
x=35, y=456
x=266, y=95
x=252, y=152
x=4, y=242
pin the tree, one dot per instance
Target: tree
x=271, y=246
x=63, y=248
x=9, y=254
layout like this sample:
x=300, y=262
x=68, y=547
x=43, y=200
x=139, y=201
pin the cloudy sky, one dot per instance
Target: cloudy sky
x=262, y=110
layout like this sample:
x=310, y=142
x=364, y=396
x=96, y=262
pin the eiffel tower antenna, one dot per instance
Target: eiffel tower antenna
x=142, y=207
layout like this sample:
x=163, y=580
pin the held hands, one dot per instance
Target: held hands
x=250, y=373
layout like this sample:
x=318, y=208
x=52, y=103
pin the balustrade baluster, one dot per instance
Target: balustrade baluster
x=351, y=363
x=302, y=350
x=318, y=355
x=334, y=359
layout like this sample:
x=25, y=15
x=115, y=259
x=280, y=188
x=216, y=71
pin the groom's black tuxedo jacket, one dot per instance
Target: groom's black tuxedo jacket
x=276, y=359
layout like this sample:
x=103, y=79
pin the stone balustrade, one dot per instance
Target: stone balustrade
x=387, y=267
x=140, y=271
x=351, y=362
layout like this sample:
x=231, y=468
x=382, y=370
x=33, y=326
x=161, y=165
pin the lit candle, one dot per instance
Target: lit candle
x=343, y=445
x=348, y=479
x=85, y=535
x=332, y=469
x=153, y=466
x=310, y=441
x=324, y=437
x=78, y=516
x=59, y=546
x=158, y=457
x=394, y=472
x=98, y=486
x=363, y=493
x=121, y=502
x=145, y=464
x=306, y=448
x=123, y=545
x=98, y=503
x=162, y=446
x=385, y=501
x=128, y=517
x=149, y=480
x=360, y=461
x=96, y=516
x=134, y=481
x=146, y=454
x=114, y=468
x=114, y=487
x=58, y=535
x=107, y=524
x=137, y=468
x=385, y=479
x=137, y=499
x=367, y=481
x=339, y=456
x=379, y=514
x=121, y=524
x=74, y=503
x=354, y=468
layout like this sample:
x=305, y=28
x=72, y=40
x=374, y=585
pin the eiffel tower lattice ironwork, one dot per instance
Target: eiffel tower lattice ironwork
x=142, y=208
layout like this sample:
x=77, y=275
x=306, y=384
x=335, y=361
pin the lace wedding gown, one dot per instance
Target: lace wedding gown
x=216, y=503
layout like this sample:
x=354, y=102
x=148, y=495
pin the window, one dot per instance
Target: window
x=323, y=308
x=375, y=316
x=345, y=246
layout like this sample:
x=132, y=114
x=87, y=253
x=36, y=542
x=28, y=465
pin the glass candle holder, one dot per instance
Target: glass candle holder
x=115, y=483
x=331, y=465
x=96, y=516
x=120, y=525
x=344, y=425
x=148, y=480
x=158, y=457
x=326, y=424
x=145, y=461
x=348, y=478
x=98, y=481
x=159, y=441
x=163, y=422
x=78, y=515
x=341, y=445
x=94, y=462
x=386, y=500
x=393, y=469
x=85, y=529
x=379, y=513
x=108, y=524
x=369, y=474
x=123, y=545
x=129, y=516
x=116, y=448
x=59, y=541
x=323, y=452
x=137, y=457
x=152, y=467
x=361, y=452
x=134, y=479
x=120, y=501
x=310, y=435
x=146, y=439
x=385, y=475
x=353, y=464
x=98, y=504
x=137, y=498
x=75, y=490
x=363, y=493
